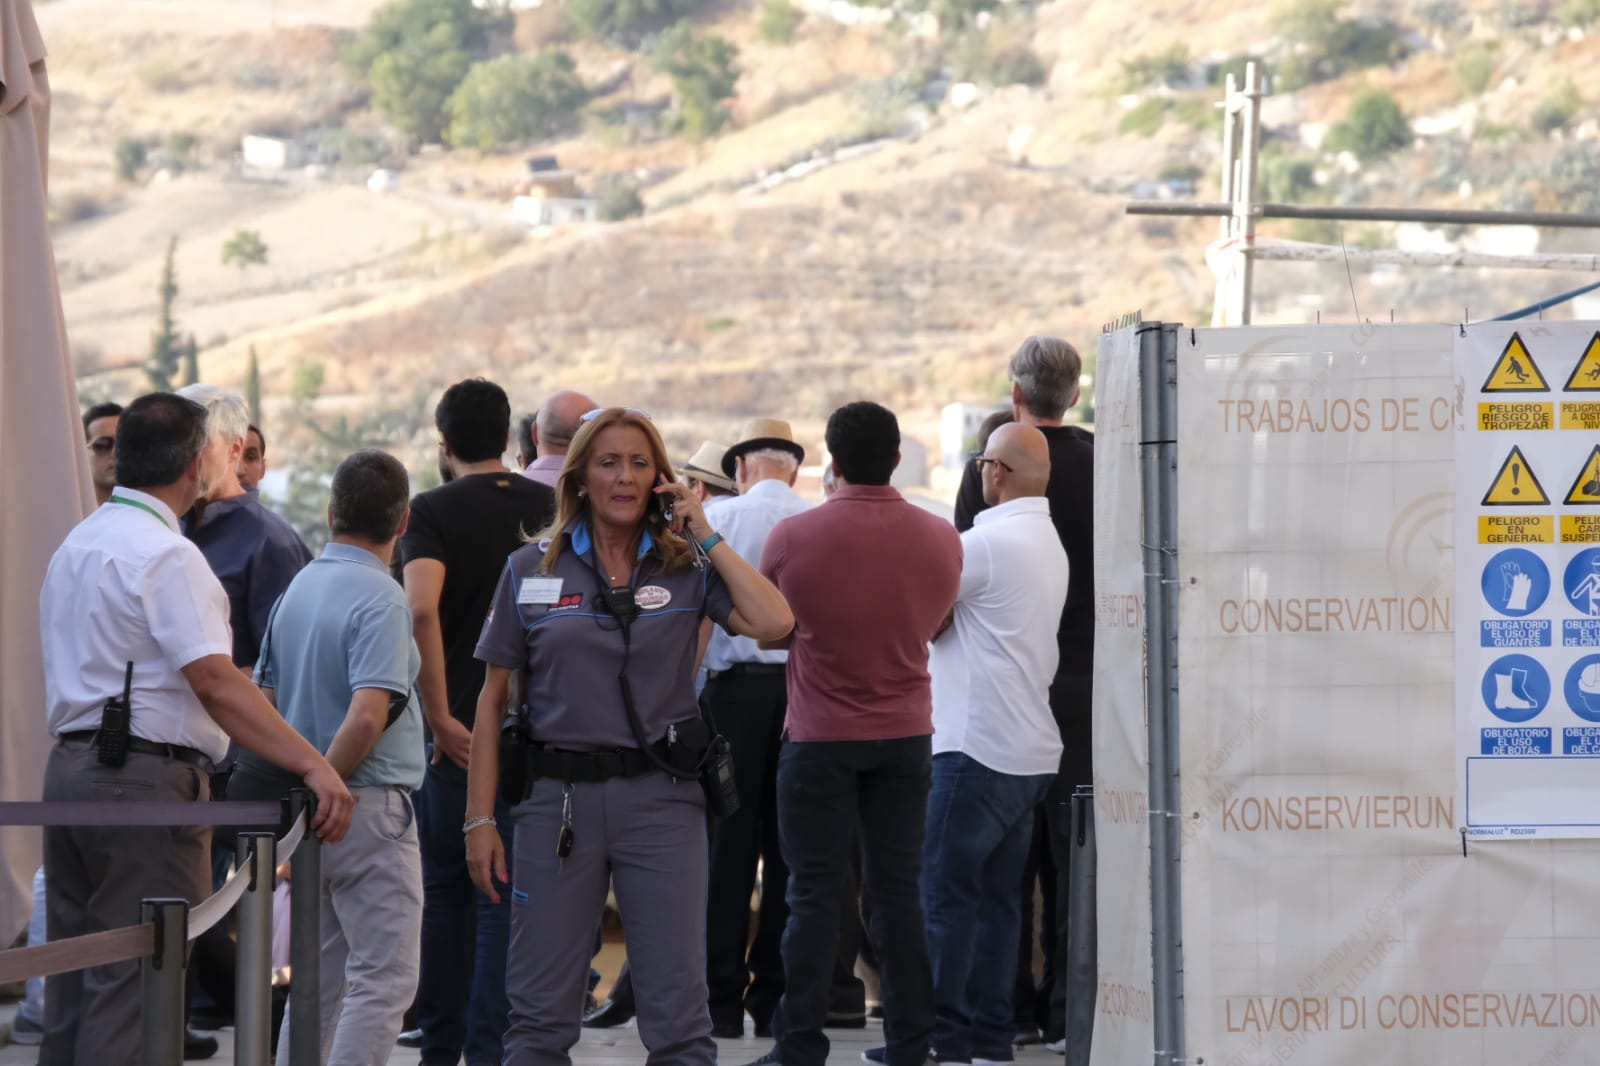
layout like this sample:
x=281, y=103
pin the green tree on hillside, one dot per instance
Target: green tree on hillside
x=252, y=387
x=1327, y=44
x=414, y=53
x=244, y=249
x=779, y=20
x=171, y=352
x=510, y=100
x=629, y=21
x=704, y=71
x=129, y=156
x=1373, y=127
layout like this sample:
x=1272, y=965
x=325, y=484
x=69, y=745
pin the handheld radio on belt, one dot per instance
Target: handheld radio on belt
x=115, y=724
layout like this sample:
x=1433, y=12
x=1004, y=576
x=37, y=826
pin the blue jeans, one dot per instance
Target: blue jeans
x=979, y=827
x=461, y=996
x=31, y=1009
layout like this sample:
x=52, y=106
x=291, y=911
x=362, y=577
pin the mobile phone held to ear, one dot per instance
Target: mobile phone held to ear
x=663, y=501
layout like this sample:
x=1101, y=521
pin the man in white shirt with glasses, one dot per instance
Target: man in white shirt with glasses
x=131, y=613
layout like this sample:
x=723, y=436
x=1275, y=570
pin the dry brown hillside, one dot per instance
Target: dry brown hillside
x=905, y=273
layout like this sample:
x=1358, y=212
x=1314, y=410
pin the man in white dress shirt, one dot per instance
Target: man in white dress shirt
x=745, y=691
x=126, y=589
x=995, y=747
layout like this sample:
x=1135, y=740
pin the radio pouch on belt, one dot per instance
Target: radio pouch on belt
x=116, y=724
x=693, y=749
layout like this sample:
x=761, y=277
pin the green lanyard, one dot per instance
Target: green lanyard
x=143, y=507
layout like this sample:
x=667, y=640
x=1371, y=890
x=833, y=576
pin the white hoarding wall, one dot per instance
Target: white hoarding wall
x=1528, y=580
x=1329, y=915
x=1123, y=1018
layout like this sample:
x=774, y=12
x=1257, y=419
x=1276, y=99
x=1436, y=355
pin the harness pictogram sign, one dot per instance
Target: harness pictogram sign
x=1515, y=370
x=1586, y=375
x=1585, y=491
x=1515, y=485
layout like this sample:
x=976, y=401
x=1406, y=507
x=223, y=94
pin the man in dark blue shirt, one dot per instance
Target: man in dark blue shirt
x=253, y=552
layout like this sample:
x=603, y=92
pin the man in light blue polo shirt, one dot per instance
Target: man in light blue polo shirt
x=339, y=661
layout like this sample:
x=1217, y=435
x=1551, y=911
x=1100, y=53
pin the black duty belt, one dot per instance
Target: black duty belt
x=588, y=765
x=749, y=670
x=150, y=747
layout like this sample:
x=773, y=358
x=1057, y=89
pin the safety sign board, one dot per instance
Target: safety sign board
x=1585, y=377
x=1528, y=581
x=1515, y=485
x=1515, y=370
x=1585, y=491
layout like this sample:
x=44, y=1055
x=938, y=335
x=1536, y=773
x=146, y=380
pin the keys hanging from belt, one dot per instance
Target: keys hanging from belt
x=564, y=837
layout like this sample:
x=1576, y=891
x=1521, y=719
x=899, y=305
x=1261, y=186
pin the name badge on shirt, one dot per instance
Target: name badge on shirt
x=539, y=590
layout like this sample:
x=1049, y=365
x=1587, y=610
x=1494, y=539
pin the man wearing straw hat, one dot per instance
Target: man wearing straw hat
x=703, y=472
x=745, y=692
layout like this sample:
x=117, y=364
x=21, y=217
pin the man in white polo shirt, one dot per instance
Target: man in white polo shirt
x=128, y=601
x=995, y=747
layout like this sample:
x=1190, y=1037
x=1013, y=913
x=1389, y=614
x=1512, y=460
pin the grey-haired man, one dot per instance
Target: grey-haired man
x=1044, y=387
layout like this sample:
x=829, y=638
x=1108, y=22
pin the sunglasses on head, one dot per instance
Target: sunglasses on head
x=590, y=416
x=102, y=444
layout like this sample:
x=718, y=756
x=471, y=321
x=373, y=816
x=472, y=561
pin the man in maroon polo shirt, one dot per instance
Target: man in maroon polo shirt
x=870, y=578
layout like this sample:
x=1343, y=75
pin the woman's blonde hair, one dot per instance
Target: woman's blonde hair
x=673, y=550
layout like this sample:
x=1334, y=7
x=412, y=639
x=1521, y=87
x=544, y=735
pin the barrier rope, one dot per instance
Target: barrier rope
x=79, y=813
x=208, y=913
x=137, y=941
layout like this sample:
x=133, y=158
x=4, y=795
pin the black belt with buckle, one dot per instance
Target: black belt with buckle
x=151, y=747
x=750, y=670
x=587, y=766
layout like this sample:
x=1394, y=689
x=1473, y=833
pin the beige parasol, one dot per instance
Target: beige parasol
x=44, y=468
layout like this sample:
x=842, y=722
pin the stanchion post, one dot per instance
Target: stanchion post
x=161, y=981
x=252, y=1011
x=305, y=938
x=1158, y=460
x=1083, y=952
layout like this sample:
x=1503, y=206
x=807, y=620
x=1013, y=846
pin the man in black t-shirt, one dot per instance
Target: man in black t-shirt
x=454, y=549
x=1044, y=386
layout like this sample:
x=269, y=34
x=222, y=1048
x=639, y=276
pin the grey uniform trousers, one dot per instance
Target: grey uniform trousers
x=95, y=879
x=647, y=836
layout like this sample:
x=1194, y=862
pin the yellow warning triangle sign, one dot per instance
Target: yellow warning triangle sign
x=1515, y=370
x=1585, y=491
x=1586, y=375
x=1515, y=485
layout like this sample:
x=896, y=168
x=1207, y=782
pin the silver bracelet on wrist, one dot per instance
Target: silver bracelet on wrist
x=472, y=823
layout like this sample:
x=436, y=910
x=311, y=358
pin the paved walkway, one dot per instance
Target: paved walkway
x=599, y=1047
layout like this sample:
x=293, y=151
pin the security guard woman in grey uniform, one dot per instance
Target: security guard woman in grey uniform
x=601, y=617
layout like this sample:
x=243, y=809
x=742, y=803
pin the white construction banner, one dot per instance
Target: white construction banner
x=1528, y=580
x=1123, y=1018
x=1333, y=910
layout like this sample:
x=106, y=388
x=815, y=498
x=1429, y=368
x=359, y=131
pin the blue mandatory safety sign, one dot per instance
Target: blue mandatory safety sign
x=1516, y=688
x=1581, y=740
x=1515, y=632
x=1516, y=582
x=1583, y=688
x=1517, y=740
x=1582, y=582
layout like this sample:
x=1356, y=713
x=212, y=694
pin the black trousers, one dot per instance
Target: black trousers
x=741, y=974
x=1071, y=700
x=823, y=788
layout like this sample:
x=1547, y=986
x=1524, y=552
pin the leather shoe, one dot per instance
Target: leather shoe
x=410, y=1038
x=198, y=1045
x=728, y=1031
x=611, y=1014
